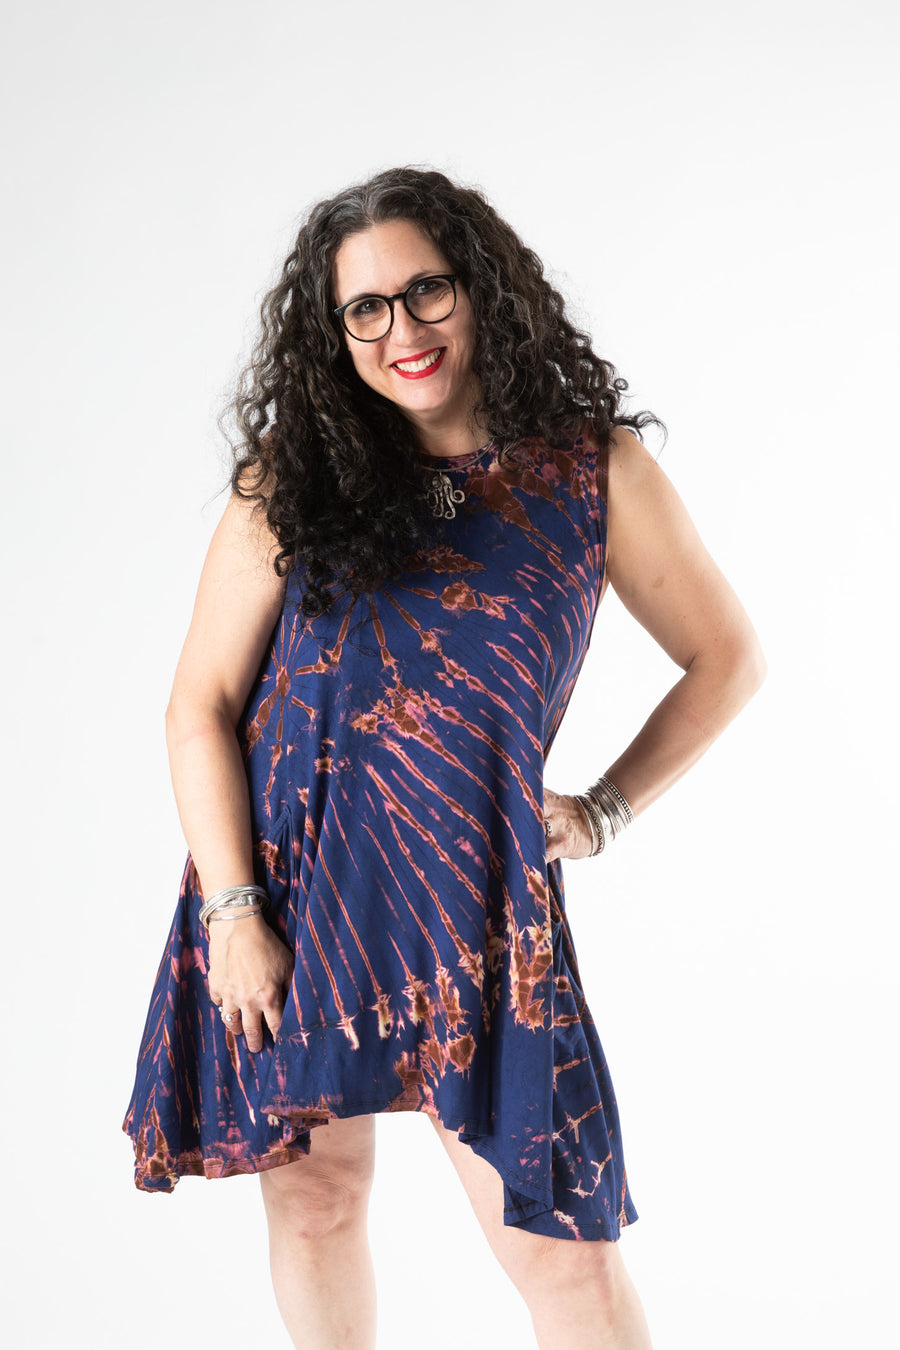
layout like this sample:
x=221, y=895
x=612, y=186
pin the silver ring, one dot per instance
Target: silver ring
x=226, y=1017
x=548, y=830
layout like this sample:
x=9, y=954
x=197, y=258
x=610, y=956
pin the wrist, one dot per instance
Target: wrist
x=606, y=812
x=236, y=900
x=222, y=930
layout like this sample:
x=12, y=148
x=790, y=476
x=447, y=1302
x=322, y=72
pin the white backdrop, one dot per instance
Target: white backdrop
x=712, y=186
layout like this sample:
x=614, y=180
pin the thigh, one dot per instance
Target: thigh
x=482, y=1182
x=529, y=1259
x=341, y=1154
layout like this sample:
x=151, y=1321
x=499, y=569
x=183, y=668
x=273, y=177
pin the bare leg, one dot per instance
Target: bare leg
x=318, y=1243
x=578, y=1293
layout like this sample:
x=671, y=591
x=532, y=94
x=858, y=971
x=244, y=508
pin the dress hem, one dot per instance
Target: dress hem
x=155, y=1179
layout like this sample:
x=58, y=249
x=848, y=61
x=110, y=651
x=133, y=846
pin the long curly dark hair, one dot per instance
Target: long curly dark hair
x=335, y=464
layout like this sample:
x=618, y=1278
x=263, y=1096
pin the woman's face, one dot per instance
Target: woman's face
x=438, y=398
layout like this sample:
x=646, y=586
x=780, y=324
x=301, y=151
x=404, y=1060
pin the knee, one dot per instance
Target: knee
x=310, y=1205
x=563, y=1267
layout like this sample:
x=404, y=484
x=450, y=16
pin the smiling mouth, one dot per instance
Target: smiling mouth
x=418, y=366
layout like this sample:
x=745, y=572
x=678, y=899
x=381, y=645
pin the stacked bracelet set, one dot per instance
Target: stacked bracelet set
x=246, y=900
x=606, y=812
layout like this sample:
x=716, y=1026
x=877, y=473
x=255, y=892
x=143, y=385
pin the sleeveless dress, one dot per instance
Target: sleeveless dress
x=394, y=749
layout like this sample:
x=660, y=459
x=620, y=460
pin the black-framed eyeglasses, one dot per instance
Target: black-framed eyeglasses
x=429, y=300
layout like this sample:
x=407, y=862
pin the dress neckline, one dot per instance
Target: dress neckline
x=456, y=461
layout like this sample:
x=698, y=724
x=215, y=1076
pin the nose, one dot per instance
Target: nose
x=406, y=330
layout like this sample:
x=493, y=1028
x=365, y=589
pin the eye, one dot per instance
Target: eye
x=428, y=286
x=367, y=307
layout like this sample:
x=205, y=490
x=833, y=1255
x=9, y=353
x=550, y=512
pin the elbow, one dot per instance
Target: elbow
x=174, y=721
x=756, y=666
x=747, y=668
x=733, y=670
x=187, y=718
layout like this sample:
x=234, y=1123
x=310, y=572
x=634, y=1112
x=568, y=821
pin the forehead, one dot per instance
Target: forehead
x=384, y=259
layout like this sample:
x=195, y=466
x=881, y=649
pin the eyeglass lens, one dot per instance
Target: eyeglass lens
x=430, y=299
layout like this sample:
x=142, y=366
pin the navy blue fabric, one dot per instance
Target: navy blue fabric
x=394, y=750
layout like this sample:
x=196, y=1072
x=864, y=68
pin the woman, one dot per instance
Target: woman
x=436, y=482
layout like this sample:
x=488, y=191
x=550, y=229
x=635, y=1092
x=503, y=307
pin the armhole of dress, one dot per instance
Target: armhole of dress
x=603, y=503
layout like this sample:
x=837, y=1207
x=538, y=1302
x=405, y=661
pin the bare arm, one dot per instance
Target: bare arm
x=664, y=576
x=238, y=601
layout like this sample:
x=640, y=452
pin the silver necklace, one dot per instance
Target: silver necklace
x=441, y=496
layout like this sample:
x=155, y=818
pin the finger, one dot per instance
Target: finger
x=273, y=1014
x=253, y=1036
x=562, y=838
x=231, y=1018
x=556, y=837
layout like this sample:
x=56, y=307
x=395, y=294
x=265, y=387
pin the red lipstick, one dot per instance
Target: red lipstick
x=428, y=370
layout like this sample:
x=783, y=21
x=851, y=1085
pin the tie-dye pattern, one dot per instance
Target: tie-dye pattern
x=395, y=753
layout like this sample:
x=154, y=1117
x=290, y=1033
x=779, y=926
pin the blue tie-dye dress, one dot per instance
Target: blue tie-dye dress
x=395, y=750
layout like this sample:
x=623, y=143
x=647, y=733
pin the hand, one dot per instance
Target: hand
x=570, y=834
x=250, y=972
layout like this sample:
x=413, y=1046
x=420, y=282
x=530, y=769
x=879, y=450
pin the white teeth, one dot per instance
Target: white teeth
x=410, y=367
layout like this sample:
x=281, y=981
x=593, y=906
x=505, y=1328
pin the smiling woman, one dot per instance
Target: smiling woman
x=435, y=483
x=316, y=413
x=423, y=365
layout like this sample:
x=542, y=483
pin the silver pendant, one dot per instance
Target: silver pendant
x=442, y=497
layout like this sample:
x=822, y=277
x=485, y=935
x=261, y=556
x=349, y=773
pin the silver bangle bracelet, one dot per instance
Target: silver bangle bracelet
x=611, y=788
x=230, y=918
x=233, y=897
x=595, y=846
x=598, y=820
x=612, y=810
x=608, y=809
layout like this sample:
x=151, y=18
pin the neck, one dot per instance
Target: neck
x=452, y=443
x=452, y=436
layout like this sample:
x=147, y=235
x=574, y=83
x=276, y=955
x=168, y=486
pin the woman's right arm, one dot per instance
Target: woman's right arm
x=238, y=602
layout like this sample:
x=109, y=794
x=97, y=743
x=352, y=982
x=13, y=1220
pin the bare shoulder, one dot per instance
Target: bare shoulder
x=243, y=541
x=647, y=518
x=658, y=565
x=631, y=465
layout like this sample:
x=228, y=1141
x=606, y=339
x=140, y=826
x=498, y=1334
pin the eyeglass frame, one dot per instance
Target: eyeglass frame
x=452, y=277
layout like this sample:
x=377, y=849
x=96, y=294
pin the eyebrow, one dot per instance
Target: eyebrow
x=426, y=272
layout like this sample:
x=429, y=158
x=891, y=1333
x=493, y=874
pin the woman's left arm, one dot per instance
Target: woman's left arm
x=659, y=568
